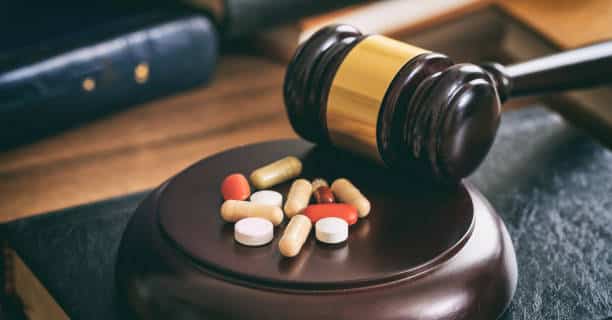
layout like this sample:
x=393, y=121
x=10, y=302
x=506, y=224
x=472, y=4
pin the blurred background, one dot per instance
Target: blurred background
x=99, y=99
x=103, y=98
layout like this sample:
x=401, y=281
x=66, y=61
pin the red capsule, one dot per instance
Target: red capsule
x=324, y=194
x=343, y=211
x=235, y=187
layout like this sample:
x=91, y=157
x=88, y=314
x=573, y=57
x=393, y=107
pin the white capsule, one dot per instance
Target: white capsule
x=253, y=231
x=298, y=197
x=268, y=197
x=276, y=172
x=346, y=192
x=331, y=230
x=295, y=235
x=235, y=210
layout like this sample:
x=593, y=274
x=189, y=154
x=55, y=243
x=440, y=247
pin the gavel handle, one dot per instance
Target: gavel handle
x=583, y=67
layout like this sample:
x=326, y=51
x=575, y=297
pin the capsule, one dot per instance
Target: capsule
x=346, y=192
x=317, y=183
x=276, y=172
x=234, y=210
x=295, y=235
x=298, y=197
x=343, y=211
x=235, y=187
x=324, y=195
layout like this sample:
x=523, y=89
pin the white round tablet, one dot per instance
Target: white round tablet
x=331, y=230
x=253, y=231
x=268, y=197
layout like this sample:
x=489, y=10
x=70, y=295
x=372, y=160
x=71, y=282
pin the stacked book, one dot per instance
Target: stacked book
x=82, y=60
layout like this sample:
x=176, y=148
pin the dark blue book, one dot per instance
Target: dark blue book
x=72, y=67
x=72, y=61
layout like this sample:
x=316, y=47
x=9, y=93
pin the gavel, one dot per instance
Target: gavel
x=413, y=110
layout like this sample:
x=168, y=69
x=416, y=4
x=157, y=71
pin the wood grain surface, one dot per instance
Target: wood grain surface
x=567, y=23
x=139, y=148
x=144, y=145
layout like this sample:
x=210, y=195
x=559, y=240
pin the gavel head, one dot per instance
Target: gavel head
x=409, y=109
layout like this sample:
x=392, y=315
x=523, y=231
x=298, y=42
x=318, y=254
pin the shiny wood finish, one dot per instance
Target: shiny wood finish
x=424, y=252
x=451, y=122
x=308, y=79
x=393, y=115
x=404, y=218
x=418, y=133
x=584, y=67
x=439, y=124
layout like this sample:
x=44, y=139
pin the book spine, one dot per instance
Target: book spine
x=86, y=82
x=25, y=297
x=11, y=305
x=247, y=16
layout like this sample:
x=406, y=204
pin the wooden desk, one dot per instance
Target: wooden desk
x=139, y=148
x=567, y=23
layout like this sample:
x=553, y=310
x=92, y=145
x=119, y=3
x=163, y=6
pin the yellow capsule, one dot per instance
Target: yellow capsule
x=346, y=192
x=317, y=183
x=294, y=236
x=298, y=197
x=276, y=172
x=234, y=210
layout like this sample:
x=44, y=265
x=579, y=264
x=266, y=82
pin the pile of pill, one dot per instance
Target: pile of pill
x=336, y=207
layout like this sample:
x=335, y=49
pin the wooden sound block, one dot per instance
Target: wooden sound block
x=424, y=252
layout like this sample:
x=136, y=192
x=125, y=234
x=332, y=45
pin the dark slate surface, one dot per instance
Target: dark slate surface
x=550, y=183
x=73, y=253
x=553, y=187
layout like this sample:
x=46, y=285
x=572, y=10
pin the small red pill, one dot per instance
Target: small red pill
x=235, y=187
x=343, y=211
x=324, y=194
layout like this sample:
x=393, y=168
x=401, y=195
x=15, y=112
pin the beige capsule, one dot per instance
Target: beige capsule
x=234, y=210
x=298, y=197
x=346, y=192
x=276, y=172
x=317, y=183
x=295, y=235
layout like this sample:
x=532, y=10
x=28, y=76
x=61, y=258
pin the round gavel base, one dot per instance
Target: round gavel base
x=424, y=252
